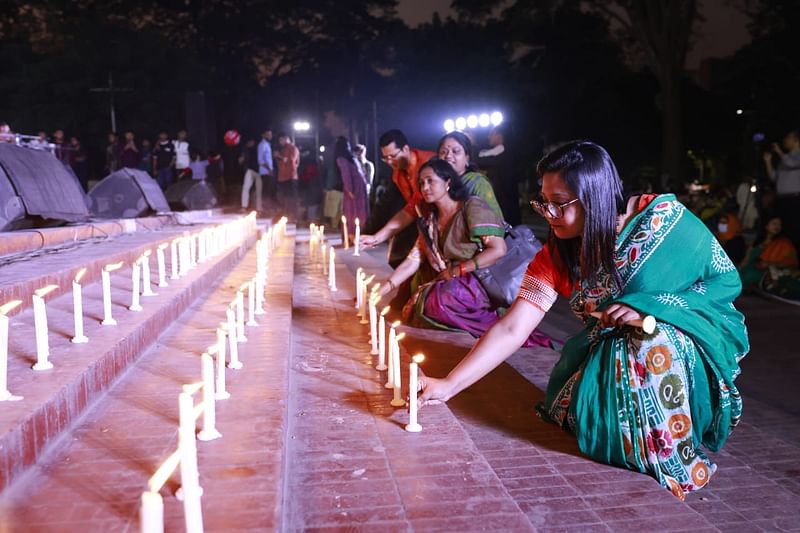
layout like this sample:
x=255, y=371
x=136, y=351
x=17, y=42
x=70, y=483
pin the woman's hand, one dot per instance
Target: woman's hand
x=447, y=274
x=433, y=390
x=368, y=241
x=385, y=288
x=616, y=315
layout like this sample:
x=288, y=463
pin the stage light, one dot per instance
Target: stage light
x=322, y=149
x=472, y=121
x=461, y=123
x=302, y=125
x=449, y=125
x=739, y=111
x=484, y=120
x=496, y=118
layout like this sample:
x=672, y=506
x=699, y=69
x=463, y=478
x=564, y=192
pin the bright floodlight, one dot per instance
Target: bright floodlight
x=302, y=125
x=322, y=149
x=449, y=125
x=484, y=120
x=461, y=123
x=496, y=119
x=472, y=121
x=739, y=111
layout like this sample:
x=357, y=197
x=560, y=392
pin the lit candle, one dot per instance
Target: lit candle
x=240, y=336
x=324, y=260
x=201, y=247
x=77, y=308
x=230, y=329
x=148, y=290
x=364, y=298
x=413, y=387
x=5, y=394
x=108, y=320
x=357, y=237
x=40, y=323
x=135, y=306
x=373, y=324
x=332, y=270
x=221, y=392
x=162, y=267
x=397, y=401
x=382, y=340
x=359, y=280
x=251, y=303
x=345, y=236
x=209, y=431
x=390, y=348
x=260, y=278
x=173, y=256
x=190, y=477
x=151, y=512
x=192, y=251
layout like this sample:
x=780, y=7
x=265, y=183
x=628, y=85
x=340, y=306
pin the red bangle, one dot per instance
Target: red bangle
x=461, y=270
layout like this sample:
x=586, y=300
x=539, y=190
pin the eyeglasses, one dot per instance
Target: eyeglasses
x=390, y=157
x=549, y=209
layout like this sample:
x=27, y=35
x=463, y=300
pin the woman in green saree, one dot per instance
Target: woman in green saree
x=646, y=402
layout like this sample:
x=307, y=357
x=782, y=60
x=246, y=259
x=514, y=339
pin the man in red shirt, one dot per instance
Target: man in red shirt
x=288, y=159
x=405, y=162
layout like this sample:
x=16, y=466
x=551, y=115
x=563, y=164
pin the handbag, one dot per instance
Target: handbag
x=502, y=280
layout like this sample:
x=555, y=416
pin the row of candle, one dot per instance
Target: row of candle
x=186, y=252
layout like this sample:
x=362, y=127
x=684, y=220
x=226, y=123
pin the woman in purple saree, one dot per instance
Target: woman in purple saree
x=458, y=235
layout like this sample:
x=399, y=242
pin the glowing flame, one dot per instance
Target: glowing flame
x=396, y=324
x=399, y=337
x=192, y=388
x=80, y=274
x=147, y=253
x=418, y=358
x=112, y=267
x=244, y=286
x=369, y=279
x=163, y=245
x=8, y=306
x=211, y=350
x=177, y=241
x=357, y=221
x=385, y=310
x=344, y=219
x=44, y=291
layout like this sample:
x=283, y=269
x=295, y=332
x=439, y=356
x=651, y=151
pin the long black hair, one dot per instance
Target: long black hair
x=342, y=149
x=465, y=142
x=444, y=170
x=589, y=172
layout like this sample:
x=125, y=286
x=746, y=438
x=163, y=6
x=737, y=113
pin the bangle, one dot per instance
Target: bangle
x=461, y=270
x=391, y=284
x=475, y=262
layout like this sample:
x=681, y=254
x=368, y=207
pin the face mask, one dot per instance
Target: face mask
x=722, y=227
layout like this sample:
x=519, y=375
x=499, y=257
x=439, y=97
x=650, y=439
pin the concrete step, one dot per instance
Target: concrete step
x=52, y=399
x=92, y=479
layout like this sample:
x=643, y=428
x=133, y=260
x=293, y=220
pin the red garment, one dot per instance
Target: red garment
x=288, y=161
x=407, y=180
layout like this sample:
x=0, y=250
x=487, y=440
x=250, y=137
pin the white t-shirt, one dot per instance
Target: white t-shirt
x=182, y=159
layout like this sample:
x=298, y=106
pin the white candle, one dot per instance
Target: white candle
x=135, y=306
x=260, y=277
x=382, y=340
x=201, y=247
x=209, y=431
x=359, y=281
x=108, y=320
x=251, y=303
x=332, y=271
x=345, y=236
x=190, y=477
x=413, y=387
x=162, y=267
x=357, y=237
x=192, y=251
x=148, y=290
x=40, y=323
x=397, y=401
x=364, y=298
x=324, y=260
x=5, y=394
x=151, y=512
x=390, y=348
x=173, y=256
x=373, y=326
x=77, y=308
x=233, y=346
x=221, y=392
x=240, y=336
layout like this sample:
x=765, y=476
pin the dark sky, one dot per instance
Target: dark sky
x=722, y=33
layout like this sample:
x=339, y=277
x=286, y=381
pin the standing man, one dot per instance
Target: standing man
x=787, y=183
x=499, y=167
x=405, y=162
x=163, y=160
x=129, y=155
x=182, y=158
x=266, y=167
x=288, y=161
x=249, y=161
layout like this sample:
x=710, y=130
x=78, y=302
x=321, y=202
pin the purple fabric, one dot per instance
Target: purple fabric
x=463, y=303
x=353, y=181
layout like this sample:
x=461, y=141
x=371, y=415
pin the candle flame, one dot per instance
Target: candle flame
x=333, y=252
x=344, y=219
x=357, y=221
x=418, y=358
x=369, y=279
x=8, y=306
x=399, y=337
x=211, y=350
x=80, y=274
x=385, y=310
x=252, y=214
x=147, y=253
x=112, y=267
x=376, y=287
x=244, y=286
x=359, y=271
x=44, y=291
x=396, y=324
x=283, y=220
x=163, y=245
x=192, y=388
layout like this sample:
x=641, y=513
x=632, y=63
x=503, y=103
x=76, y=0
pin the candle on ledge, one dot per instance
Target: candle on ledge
x=251, y=303
x=382, y=340
x=209, y=431
x=357, y=237
x=260, y=282
x=173, y=257
x=77, y=308
x=233, y=347
x=332, y=270
x=108, y=320
x=40, y=322
x=413, y=388
x=220, y=392
x=147, y=289
x=397, y=400
x=240, y=336
x=5, y=394
x=324, y=260
x=135, y=305
x=359, y=280
x=364, y=298
x=390, y=354
x=162, y=267
x=345, y=236
x=373, y=324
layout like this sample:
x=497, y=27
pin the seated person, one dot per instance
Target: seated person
x=772, y=250
x=729, y=234
x=460, y=234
